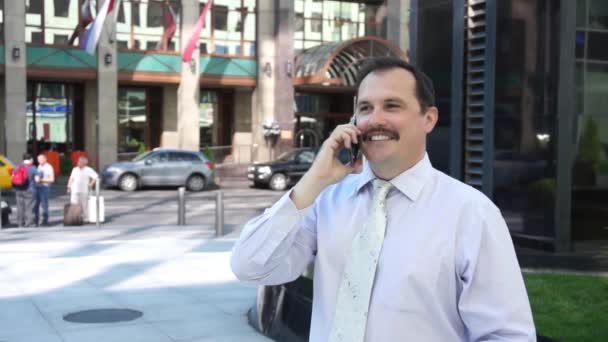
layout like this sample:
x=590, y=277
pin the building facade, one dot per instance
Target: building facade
x=520, y=89
x=136, y=94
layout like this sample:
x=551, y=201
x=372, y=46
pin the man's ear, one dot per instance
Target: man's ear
x=430, y=119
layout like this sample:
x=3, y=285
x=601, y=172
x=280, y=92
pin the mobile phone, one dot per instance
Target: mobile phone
x=348, y=156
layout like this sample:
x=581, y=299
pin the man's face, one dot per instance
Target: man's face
x=82, y=163
x=41, y=159
x=393, y=127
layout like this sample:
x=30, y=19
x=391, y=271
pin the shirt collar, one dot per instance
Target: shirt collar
x=410, y=182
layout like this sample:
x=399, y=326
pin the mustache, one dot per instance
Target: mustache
x=367, y=135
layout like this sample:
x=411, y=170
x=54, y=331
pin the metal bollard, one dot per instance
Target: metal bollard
x=96, y=203
x=181, y=206
x=219, y=213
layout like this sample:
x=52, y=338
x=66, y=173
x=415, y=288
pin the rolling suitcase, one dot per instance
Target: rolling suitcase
x=93, y=208
x=72, y=215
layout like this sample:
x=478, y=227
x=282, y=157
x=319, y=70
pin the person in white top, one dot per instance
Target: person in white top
x=44, y=179
x=446, y=269
x=81, y=180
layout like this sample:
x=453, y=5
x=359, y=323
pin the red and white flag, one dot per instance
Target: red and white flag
x=92, y=34
x=196, y=32
x=170, y=24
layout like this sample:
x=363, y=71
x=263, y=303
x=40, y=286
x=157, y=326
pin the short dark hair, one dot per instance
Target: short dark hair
x=425, y=92
x=27, y=156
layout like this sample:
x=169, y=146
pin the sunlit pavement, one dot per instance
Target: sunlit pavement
x=178, y=277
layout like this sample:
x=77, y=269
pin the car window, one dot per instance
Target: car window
x=157, y=157
x=182, y=156
x=306, y=157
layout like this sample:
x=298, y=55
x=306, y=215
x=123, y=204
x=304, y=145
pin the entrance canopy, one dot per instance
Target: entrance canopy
x=337, y=63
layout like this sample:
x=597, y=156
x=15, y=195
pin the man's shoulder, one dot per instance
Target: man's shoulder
x=461, y=192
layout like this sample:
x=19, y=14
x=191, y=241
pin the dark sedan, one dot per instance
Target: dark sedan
x=283, y=172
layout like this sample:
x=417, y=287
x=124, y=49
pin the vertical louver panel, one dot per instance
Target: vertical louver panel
x=478, y=94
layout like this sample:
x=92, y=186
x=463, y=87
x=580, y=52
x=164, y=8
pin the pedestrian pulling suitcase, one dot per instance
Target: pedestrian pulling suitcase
x=72, y=215
x=93, y=209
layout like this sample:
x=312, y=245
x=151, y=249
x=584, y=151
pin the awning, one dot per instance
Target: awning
x=337, y=63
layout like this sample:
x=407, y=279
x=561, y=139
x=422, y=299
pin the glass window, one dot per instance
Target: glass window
x=61, y=7
x=60, y=39
x=220, y=18
x=34, y=6
x=598, y=46
x=435, y=56
x=155, y=14
x=581, y=37
x=306, y=157
x=51, y=121
x=581, y=13
x=598, y=14
x=158, y=157
x=207, y=118
x=131, y=121
x=590, y=169
x=525, y=117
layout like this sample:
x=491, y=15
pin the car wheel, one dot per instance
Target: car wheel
x=128, y=182
x=195, y=183
x=278, y=182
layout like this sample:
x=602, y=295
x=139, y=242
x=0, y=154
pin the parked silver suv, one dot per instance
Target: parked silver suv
x=161, y=167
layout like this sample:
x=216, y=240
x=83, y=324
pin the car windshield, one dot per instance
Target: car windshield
x=287, y=156
x=142, y=156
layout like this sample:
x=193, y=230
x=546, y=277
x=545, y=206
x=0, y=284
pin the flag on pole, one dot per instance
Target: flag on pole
x=170, y=24
x=91, y=36
x=196, y=32
x=85, y=19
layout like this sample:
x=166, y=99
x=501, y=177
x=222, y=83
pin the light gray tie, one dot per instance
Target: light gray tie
x=352, y=303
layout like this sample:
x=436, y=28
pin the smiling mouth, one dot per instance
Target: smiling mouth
x=380, y=136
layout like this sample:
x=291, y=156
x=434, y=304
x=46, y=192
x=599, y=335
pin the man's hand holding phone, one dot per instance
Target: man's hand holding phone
x=327, y=168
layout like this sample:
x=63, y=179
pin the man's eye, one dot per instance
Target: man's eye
x=364, y=109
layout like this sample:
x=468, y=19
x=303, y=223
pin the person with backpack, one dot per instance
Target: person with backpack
x=24, y=184
x=46, y=177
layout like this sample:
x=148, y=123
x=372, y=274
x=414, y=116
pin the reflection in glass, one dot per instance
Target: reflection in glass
x=131, y=121
x=598, y=14
x=435, y=56
x=50, y=121
x=207, y=118
x=525, y=117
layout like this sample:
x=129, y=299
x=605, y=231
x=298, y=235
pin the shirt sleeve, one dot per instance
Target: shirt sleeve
x=493, y=302
x=277, y=246
x=93, y=174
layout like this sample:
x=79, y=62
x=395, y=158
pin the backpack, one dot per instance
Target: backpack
x=19, y=176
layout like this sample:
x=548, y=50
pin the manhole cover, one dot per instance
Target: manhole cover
x=103, y=316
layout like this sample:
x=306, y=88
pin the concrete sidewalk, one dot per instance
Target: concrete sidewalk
x=178, y=277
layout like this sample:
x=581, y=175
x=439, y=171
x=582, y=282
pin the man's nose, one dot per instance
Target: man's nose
x=376, y=117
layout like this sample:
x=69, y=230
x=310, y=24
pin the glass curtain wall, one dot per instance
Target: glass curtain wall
x=435, y=59
x=525, y=116
x=590, y=169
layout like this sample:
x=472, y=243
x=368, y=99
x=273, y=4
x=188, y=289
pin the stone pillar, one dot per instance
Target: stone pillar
x=107, y=95
x=284, y=90
x=274, y=92
x=188, y=93
x=169, y=136
x=90, y=119
x=398, y=14
x=15, y=82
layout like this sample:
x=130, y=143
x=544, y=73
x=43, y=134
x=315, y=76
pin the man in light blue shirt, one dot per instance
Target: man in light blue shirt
x=446, y=271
